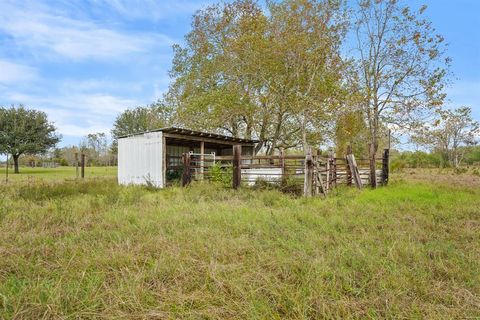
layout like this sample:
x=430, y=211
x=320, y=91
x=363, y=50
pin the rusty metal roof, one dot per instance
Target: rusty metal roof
x=200, y=134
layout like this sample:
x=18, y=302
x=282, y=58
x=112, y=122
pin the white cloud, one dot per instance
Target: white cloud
x=11, y=73
x=104, y=103
x=149, y=9
x=81, y=114
x=90, y=60
x=76, y=114
x=75, y=104
x=104, y=85
x=33, y=28
x=80, y=131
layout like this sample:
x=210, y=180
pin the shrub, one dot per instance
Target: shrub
x=221, y=174
x=174, y=175
x=263, y=184
x=460, y=170
x=291, y=185
x=398, y=165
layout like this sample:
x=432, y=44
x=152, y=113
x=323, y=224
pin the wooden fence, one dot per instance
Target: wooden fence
x=316, y=174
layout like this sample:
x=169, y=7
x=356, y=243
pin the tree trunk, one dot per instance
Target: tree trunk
x=276, y=135
x=258, y=146
x=304, y=133
x=456, y=162
x=15, y=161
x=373, y=176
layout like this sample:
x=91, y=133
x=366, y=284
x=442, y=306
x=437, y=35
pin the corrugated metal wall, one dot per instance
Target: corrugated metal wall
x=140, y=159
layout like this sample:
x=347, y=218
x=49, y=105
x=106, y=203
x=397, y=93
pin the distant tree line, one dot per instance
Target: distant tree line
x=433, y=159
x=96, y=148
x=29, y=139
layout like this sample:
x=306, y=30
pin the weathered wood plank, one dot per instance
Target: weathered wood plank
x=308, y=180
x=354, y=171
x=237, y=168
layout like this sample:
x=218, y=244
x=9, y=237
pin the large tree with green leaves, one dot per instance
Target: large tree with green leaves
x=25, y=130
x=273, y=75
x=401, y=65
x=141, y=119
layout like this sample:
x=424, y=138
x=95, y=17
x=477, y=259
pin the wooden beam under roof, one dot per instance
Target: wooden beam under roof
x=191, y=134
x=205, y=139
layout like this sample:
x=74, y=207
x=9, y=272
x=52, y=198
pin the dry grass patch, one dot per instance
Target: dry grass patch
x=97, y=250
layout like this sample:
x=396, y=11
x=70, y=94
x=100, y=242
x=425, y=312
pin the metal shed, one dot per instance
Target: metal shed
x=154, y=157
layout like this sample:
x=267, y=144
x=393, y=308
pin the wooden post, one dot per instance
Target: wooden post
x=202, y=162
x=237, y=167
x=6, y=170
x=282, y=163
x=352, y=163
x=76, y=164
x=83, y=166
x=328, y=170
x=164, y=159
x=318, y=185
x=186, y=175
x=389, y=147
x=334, y=168
x=308, y=182
x=373, y=167
x=349, y=172
x=385, y=169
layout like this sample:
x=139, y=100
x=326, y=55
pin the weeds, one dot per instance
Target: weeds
x=94, y=249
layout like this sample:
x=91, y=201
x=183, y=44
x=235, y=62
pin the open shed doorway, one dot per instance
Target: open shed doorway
x=176, y=147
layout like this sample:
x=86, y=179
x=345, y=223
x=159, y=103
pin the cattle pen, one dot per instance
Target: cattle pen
x=165, y=156
x=317, y=173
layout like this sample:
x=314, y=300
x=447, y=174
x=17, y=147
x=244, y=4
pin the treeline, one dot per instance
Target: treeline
x=300, y=73
x=470, y=156
x=96, y=147
x=295, y=74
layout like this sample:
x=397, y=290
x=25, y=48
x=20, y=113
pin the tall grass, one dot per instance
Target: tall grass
x=55, y=174
x=96, y=250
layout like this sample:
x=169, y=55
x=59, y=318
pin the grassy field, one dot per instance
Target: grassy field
x=60, y=173
x=92, y=249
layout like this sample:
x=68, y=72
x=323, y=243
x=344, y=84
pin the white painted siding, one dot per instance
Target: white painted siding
x=140, y=159
x=265, y=174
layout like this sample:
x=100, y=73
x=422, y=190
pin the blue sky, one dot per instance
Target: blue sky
x=83, y=62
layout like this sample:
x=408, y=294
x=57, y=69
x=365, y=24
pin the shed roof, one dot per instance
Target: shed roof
x=198, y=134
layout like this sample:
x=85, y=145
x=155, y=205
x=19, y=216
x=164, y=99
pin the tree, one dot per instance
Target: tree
x=453, y=130
x=141, y=119
x=350, y=129
x=273, y=76
x=216, y=87
x=309, y=35
x=401, y=67
x=95, y=146
x=25, y=130
x=68, y=154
